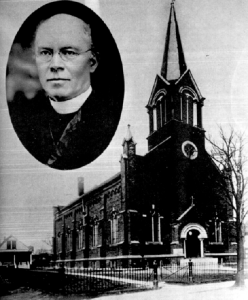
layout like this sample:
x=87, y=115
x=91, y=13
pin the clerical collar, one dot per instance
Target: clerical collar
x=72, y=105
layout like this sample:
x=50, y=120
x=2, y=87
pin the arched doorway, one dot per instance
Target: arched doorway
x=193, y=246
x=193, y=235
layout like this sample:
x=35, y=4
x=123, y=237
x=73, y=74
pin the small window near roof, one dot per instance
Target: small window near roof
x=8, y=244
x=13, y=244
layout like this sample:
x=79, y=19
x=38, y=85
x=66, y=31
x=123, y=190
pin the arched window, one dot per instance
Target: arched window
x=159, y=111
x=155, y=120
x=188, y=106
x=195, y=121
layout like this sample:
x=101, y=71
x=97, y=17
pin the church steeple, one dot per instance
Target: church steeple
x=175, y=100
x=173, y=65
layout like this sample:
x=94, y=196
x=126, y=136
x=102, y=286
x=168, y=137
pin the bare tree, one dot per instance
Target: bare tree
x=229, y=156
x=48, y=242
x=44, y=249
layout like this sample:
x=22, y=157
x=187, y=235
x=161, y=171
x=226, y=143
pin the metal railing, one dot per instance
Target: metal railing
x=104, y=279
x=81, y=280
x=122, y=274
x=197, y=272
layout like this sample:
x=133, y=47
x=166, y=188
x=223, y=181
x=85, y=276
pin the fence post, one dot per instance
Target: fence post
x=190, y=270
x=155, y=273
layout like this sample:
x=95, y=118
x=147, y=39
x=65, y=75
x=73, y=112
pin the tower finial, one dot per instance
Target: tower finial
x=172, y=2
x=129, y=134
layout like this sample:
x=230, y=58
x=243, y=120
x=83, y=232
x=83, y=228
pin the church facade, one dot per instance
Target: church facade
x=165, y=203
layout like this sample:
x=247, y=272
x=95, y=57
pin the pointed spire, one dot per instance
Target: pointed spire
x=129, y=145
x=174, y=64
x=129, y=135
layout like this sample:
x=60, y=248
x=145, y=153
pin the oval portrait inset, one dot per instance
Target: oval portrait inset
x=65, y=85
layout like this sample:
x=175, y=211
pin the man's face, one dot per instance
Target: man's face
x=63, y=58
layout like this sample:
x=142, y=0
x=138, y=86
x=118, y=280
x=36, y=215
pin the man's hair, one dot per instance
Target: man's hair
x=86, y=27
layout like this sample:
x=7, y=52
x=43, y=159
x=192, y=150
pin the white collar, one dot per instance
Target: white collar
x=72, y=105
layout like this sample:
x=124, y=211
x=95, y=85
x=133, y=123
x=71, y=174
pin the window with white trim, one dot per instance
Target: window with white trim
x=155, y=120
x=80, y=238
x=195, y=121
x=114, y=230
x=218, y=231
x=187, y=113
x=156, y=228
x=156, y=225
x=95, y=235
x=69, y=240
x=160, y=114
x=187, y=110
x=11, y=245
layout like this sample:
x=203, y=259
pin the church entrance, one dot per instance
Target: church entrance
x=193, y=247
x=193, y=235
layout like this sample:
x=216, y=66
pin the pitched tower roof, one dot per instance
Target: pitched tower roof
x=129, y=136
x=174, y=64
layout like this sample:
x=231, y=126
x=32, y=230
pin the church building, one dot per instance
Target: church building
x=165, y=203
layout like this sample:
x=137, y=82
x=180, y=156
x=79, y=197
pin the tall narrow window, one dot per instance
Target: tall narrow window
x=151, y=121
x=181, y=108
x=156, y=227
x=70, y=243
x=69, y=240
x=84, y=238
x=159, y=228
x=187, y=110
x=13, y=244
x=195, y=122
x=161, y=113
x=95, y=235
x=218, y=231
x=8, y=245
x=59, y=242
x=165, y=112
x=80, y=238
x=114, y=230
x=155, y=125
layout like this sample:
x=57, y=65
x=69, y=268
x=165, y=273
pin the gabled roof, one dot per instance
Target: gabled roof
x=189, y=79
x=160, y=87
x=173, y=65
x=19, y=245
x=186, y=212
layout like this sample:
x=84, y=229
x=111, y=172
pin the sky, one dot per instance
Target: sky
x=214, y=35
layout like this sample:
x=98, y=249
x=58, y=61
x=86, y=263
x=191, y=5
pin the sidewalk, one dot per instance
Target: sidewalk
x=208, y=291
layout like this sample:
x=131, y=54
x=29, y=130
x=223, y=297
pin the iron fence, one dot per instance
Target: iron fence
x=197, y=271
x=105, y=279
x=80, y=280
x=77, y=279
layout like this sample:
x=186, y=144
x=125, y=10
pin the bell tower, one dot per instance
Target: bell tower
x=175, y=97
